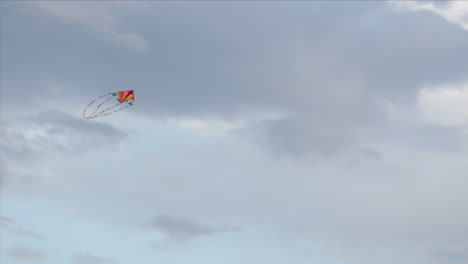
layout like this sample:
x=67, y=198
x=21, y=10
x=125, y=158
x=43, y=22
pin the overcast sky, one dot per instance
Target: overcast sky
x=262, y=132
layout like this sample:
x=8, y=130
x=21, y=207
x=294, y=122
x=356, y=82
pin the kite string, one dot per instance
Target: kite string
x=99, y=105
x=116, y=110
x=91, y=103
x=105, y=111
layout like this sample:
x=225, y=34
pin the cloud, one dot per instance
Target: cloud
x=47, y=133
x=329, y=79
x=445, y=105
x=13, y=227
x=97, y=18
x=327, y=76
x=453, y=255
x=25, y=254
x=85, y=258
x=455, y=12
x=182, y=229
x=301, y=135
x=54, y=131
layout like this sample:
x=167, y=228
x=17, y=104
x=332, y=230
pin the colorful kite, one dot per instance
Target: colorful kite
x=125, y=99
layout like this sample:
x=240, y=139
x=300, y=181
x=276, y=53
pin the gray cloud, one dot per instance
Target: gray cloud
x=300, y=135
x=305, y=65
x=12, y=226
x=327, y=68
x=25, y=254
x=96, y=18
x=183, y=229
x=454, y=255
x=86, y=258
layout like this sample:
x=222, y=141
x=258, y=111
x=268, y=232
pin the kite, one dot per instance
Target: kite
x=103, y=104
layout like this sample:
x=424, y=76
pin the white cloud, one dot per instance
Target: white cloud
x=213, y=125
x=30, y=139
x=96, y=18
x=55, y=131
x=207, y=126
x=455, y=12
x=445, y=106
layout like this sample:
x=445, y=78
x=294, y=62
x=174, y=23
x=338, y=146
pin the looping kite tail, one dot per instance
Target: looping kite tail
x=125, y=99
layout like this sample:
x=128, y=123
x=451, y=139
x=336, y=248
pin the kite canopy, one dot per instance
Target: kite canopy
x=125, y=99
x=125, y=96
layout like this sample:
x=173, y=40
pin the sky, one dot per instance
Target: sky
x=262, y=132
